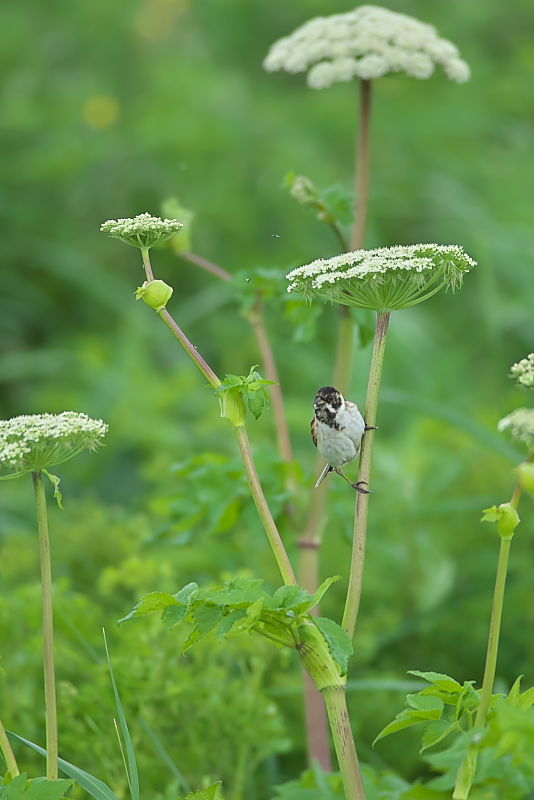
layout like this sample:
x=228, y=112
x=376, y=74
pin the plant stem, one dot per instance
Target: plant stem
x=256, y=320
x=336, y=706
x=310, y=542
x=189, y=348
x=465, y=775
x=146, y=264
x=277, y=546
x=352, y=602
x=48, y=629
x=363, y=167
x=7, y=752
x=262, y=506
x=207, y=265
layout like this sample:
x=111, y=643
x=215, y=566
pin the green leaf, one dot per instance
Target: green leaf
x=234, y=592
x=155, y=601
x=404, y=719
x=207, y=617
x=435, y=732
x=289, y=597
x=338, y=203
x=256, y=402
x=131, y=764
x=425, y=702
x=93, y=786
x=55, y=481
x=322, y=590
x=439, y=679
x=22, y=788
x=339, y=641
x=213, y=792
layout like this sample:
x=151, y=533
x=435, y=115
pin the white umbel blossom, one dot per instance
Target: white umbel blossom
x=520, y=425
x=33, y=442
x=143, y=231
x=383, y=279
x=366, y=43
x=523, y=371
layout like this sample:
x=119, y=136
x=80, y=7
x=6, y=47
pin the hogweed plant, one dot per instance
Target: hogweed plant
x=384, y=280
x=30, y=445
x=363, y=45
x=485, y=731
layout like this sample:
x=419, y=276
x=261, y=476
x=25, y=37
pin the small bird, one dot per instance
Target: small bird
x=337, y=429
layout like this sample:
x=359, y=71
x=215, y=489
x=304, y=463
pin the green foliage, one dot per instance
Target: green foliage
x=313, y=784
x=241, y=605
x=23, y=788
x=236, y=391
x=213, y=792
x=495, y=757
x=333, y=205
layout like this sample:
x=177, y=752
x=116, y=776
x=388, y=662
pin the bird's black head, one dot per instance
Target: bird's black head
x=329, y=395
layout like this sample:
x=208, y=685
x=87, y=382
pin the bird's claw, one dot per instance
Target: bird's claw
x=371, y=428
x=359, y=488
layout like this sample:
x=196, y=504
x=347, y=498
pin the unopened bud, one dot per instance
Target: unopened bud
x=525, y=474
x=233, y=407
x=155, y=294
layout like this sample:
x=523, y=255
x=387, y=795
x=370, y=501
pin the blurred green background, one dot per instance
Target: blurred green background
x=108, y=109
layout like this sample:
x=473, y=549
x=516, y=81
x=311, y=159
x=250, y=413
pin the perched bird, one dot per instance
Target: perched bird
x=337, y=429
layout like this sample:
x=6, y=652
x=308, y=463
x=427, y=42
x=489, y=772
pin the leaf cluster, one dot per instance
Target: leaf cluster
x=251, y=389
x=23, y=788
x=241, y=605
x=333, y=205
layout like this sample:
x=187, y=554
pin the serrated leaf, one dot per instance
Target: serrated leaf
x=435, y=732
x=227, y=623
x=207, y=617
x=256, y=403
x=405, y=719
x=526, y=700
x=235, y=592
x=515, y=692
x=322, y=590
x=289, y=597
x=185, y=593
x=23, y=788
x=213, y=792
x=155, y=601
x=438, y=679
x=425, y=702
x=339, y=641
x=173, y=615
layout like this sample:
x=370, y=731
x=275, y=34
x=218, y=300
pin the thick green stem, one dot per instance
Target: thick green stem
x=467, y=769
x=352, y=602
x=7, y=752
x=338, y=716
x=277, y=546
x=48, y=629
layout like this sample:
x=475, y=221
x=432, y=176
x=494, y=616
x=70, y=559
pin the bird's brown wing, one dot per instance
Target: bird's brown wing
x=313, y=426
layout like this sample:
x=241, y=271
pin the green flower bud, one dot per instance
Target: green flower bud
x=505, y=516
x=155, y=294
x=233, y=407
x=525, y=474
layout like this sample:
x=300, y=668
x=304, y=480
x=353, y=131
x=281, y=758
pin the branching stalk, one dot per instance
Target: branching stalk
x=262, y=506
x=352, y=602
x=48, y=629
x=467, y=769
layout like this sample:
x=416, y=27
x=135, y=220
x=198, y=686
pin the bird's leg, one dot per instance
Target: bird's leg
x=356, y=486
x=370, y=428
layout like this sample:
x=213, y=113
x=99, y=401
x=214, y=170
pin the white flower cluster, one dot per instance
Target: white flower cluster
x=143, y=231
x=523, y=371
x=366, y=43
x=37, y=441
x=520, y=425
x=384, y=279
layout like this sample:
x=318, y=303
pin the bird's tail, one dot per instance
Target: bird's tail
x=323, y=475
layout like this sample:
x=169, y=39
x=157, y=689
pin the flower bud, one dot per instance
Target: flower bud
x=505, y=516
x=155, y=294
x=233, y=407
x=525, y=474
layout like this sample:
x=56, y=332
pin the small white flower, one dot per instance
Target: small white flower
x=143, y=231
x=380, y=41
x=383, y=279
x=34, y=442
x=520, y=425
x=523, y=371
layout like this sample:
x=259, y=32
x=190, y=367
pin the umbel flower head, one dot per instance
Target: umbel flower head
x=520, y=425
x=385, y=279
x=523, y=371
x=143, y=231
x=366, y=43
x=35, y=442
